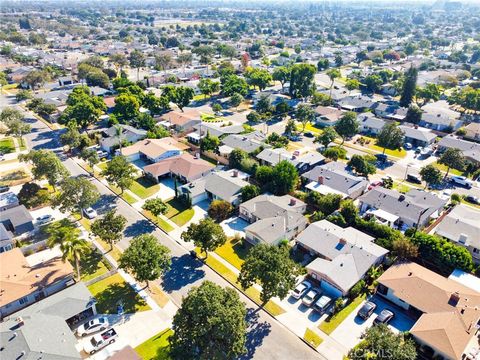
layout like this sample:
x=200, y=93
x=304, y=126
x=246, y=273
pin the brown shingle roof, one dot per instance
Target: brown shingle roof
x=184, y=165
x=451, y=310
x=154, y=147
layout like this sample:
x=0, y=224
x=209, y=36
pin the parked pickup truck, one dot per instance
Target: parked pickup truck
x=99, y=341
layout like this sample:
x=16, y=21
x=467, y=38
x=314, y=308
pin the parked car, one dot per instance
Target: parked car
x=367, y=310
x=381, y=157
x=322, y=304
x=94, y=325
x=462, y=181
x=90, y=213
x=99, y=341
x=374, y=184
x=407, y=146
x=418, y=150
x=301, y=289
x=384, y=317
x=472, y=199
x=426, y=151
x=44, y=219
x=309, y=134
x=4, y=189
x=311, y=296
x=414, y=179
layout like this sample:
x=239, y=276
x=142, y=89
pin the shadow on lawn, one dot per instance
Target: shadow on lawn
x=90, y=263
x=108, y=299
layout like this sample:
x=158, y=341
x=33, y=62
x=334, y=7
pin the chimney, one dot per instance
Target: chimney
x=342, y=241
x=20, y=321
x=293, y=202
x=454, y=298
x=235, y=173
x=320, y=180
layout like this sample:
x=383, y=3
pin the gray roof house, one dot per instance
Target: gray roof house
x=303, y=163
x=401, y=210
x=246, y=142
x=26, y=332
x=128, y=134
x=356, y=103
x=469, y=149
x=6, y=239
x=344, y=255
x=219, y=185
x=273, y=156
x=439, y=122
x=17, y=220
x=418, y=136
x=8, y=200
x=334, y=178
x=369, y=123
x=462, y=227
x=273, y=218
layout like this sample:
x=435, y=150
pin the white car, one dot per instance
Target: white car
x=426, y=151
x=90, y=213
x=461, y=180
x=94, y=325
x=44, y=219
x=311, y=296
x=301, y=289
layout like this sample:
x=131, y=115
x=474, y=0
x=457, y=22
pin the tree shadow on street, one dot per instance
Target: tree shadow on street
x=256, y=331
x=184, y=271
x=138, y=228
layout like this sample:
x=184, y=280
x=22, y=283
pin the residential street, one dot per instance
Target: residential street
x=267, y=338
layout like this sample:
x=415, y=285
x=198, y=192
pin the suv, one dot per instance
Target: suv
x=301, y=289
x=367, y=310
x=322, y=304
x=462, y=181
x=414, y=179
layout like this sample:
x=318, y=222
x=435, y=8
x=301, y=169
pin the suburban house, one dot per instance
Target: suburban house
x=384, y=110
x=356, y=103
x=121, y=133
x=8, y=200
x=154, y=150
x=343, y=255
x=417, y=136
x=247, y=142
x=273, y=218
x=182, y=121
x=447, y=311
x=216, y=129
x=472, y=131
x=185, y=167
x=219, y=185
x=44, y=330
x=24, y=283
x=273, y=156
x=369, y=123
x=334, y=178
x=17, y=220
x=327, y=115
x=303, y=163
x=6, y=239
x=470, y=150
x=438, y=116
x=462, y=227
x=402, y=211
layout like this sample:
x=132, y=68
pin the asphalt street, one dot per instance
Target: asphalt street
x=266, y=339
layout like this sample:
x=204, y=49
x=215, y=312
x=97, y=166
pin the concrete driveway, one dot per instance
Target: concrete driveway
x=350, y=330
x=234, y=226
x=167, y=189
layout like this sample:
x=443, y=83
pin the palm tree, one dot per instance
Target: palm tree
x=73, y=249
x=118, y=135
x=333, y=74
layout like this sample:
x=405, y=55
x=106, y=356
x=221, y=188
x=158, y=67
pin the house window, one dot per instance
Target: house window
x=382, y=289
x=23, y=300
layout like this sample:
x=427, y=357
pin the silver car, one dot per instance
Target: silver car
x=94, y=325
x=310, y=297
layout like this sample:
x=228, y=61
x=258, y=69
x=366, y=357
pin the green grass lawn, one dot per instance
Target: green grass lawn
x=200, y=97
x=396, y=153
x=156, y=348
x=231, y=277
x=234, y=252
x=144, y=187
x=312, y=338
x=125, y=196
x=211, y=118
x=92, y=265
x=7, y=146
x=312, y=128
x=179, y=212
x=22, y=144
x=14, y=177
x=110, y=291
x=158, y=221
x=102, y=165
x=331, y=324
x=115, y=252
x=444, y=168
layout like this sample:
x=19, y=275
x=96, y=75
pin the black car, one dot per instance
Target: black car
x=384, y=317
x=4, y=189
x=308, y=134
x=414, y=179
x=472, y=199
x=367, y=310
x=381, y=157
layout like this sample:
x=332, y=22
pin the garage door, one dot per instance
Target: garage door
x=330, y=290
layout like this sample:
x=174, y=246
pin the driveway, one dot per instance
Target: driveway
x=167, y=189
x=350, y=330
x=234, y=226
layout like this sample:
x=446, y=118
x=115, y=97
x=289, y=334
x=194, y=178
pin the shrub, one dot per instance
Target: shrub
x=357, y=289
x=32, y=195
x=220, y=210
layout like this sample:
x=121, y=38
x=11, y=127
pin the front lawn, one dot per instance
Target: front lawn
x=179, y=212
x=332, y=323
x=157, y=347
x=115, y=252
x=14, y=177
x=111, y=291
x=157, y=220
x=210, y=118
x=231, y=277
x=92, y=265
x=234, y=251
x=444, y=168
x=144, y=187
x=125, y=196
x=312, y=338
x=7, y=146
x=311, y=128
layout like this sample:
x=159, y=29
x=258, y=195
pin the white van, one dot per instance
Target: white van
x=461, y=180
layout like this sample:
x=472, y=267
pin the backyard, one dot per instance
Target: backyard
x=113, y=290
x=155, y=348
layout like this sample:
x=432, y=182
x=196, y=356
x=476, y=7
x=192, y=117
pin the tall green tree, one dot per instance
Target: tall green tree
x=232, y=84
x=120, y=172
x=281, y=74
x=155, y=206
x=210, y=324
x=327, y=136
x=183, y=96
x=305, y=114
x=13, y=120
x=45, y=164
x=333, y=74
x=146, y=259
x=126, y=106
x=414, y=114
x=452, y=158
x=109, y=228
x=363, y=165
x=76, y=194
x=390, y=137
x=409, y=86
x=284, y=178
x=137, y=61
x=260, y=78
x=269, y=266
x=208, y=87
x=206, y=234
x=347, y=126
x=431, y=175
x=302, y=80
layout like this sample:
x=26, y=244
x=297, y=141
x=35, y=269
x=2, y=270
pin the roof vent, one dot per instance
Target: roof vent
x=320, y=179
x=410, y=273
x=401, y=197
x=454, y=298
x=463, y=238
x=293, y=202
x=342, y=241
